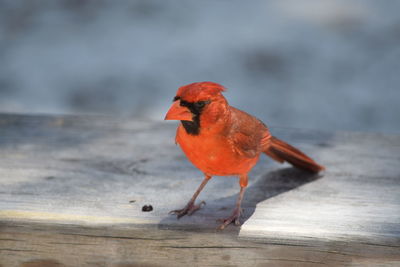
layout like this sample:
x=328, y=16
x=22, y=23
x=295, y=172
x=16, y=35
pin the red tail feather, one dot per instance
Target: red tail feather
x=281, y=151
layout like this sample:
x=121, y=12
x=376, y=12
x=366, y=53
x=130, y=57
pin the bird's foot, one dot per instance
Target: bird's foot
x=189, y=209
x=234, y=218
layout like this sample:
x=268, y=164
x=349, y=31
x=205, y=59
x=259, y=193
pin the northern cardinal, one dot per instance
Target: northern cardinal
x=222, y=140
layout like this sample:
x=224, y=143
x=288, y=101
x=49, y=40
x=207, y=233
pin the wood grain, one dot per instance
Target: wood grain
x=72, y=190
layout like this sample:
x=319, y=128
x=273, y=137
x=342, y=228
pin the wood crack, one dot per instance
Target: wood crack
x=211, y=247
x=124, y=237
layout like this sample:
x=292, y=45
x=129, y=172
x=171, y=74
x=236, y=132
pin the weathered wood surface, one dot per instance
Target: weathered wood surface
x=72, y=189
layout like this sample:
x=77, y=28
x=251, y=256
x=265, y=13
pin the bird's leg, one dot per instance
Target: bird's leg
x=190, y=207
x=235, y=217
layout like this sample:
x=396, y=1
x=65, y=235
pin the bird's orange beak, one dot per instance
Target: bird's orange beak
x=178, y=112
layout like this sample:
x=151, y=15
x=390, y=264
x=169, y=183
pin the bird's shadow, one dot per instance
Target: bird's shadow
x=273, y=184
x=267, y=186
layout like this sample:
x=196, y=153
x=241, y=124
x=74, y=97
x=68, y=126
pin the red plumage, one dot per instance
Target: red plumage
x=222, y=140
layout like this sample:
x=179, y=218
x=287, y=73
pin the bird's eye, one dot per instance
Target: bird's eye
x=201, y=104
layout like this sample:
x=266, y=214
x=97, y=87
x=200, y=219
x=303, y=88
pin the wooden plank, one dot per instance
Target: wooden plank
x=77, y=245
x=356, y=199
x=90, y=176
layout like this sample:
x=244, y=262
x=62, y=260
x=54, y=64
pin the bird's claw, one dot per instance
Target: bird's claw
x=189, y=209
x=234, y=218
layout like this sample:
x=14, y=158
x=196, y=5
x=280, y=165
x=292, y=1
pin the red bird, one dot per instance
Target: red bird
x=222, y=140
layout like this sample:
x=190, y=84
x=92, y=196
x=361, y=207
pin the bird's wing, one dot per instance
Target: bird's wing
x=247, y=134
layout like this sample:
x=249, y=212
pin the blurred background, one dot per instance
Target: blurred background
x=331, y=65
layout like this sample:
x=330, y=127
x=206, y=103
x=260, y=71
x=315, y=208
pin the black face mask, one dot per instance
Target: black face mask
x=196, y=108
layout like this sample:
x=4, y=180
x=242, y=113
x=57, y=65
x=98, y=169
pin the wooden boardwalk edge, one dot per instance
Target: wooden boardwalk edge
x=72, y=189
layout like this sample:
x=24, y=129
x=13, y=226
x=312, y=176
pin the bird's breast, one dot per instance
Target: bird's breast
x=213, y=154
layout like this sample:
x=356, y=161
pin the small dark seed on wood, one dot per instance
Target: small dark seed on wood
x=147, y=208
x=132, y=201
